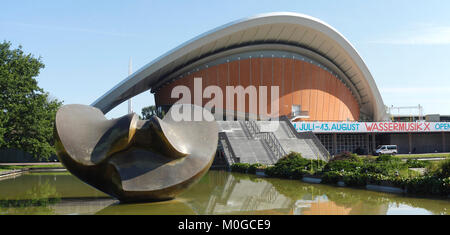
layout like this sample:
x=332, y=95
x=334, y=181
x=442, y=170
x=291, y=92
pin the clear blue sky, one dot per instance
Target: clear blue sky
x=86, y=45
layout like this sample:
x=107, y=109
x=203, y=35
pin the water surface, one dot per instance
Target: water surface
x=218, y=192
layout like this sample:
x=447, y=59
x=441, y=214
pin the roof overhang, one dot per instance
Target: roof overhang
x=285, y=28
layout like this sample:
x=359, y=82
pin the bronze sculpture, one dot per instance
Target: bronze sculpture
x=132, y=159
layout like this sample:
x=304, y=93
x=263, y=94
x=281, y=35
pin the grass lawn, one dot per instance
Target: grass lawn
x=429, y=155
x=413, y=156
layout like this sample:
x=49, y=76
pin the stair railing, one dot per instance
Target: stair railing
x=230, y=156
x=317, y=144
x=273, y=143
x=268, y=139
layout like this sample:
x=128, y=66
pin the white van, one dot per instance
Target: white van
x=386, y=149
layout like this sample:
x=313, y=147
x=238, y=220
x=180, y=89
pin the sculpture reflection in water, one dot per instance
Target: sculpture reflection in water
x=217, y=193
x=232, y=193
x=132, y=159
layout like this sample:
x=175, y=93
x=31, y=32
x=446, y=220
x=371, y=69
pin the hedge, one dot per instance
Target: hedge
x=357, y=172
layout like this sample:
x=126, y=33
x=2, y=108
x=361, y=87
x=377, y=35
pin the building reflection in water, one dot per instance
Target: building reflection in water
x=231, y=193
x=243, y=194
x=217, y=193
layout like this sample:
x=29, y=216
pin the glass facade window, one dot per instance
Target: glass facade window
x=296, y=110
x=355, y=143
x=327, y=141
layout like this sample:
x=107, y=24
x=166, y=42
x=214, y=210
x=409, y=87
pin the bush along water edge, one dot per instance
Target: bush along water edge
x=358, y=172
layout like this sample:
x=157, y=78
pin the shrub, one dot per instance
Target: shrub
x=347, y=156
x=357, y=172
x=343, y=165
x=387, y=158
x=252, y=168
x=294, y=166
x=441, y=170
x=379, y=179
x=277, y=171
x=355, y=179
x=446, y=186
x=433, y=168
x=240, y=167
x=386, y=165
x=374, y=178
x=270, y=171
x=428, y=185
x=413, y=163
x=298, y=173
x=445, y=169
x=331, y=177
x=293, y=160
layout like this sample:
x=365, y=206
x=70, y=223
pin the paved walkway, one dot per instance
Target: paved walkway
x=30, y=164
x=5, y=174
x=421, y=154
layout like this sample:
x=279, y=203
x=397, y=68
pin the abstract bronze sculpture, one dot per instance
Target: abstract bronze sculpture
x=132, y=159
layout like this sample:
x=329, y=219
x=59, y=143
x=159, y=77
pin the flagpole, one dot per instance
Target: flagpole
x=130, y=71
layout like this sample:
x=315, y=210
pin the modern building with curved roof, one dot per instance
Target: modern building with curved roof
x=319, y=73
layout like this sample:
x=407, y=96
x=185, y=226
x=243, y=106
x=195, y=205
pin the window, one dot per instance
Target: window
x=296, y=110
x=327, y=141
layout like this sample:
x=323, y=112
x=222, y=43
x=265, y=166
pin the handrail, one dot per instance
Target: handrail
x=252, y=128
x=290, y=132
x=227, y=148
x=322, y=150
x=291, y=127
x=273, y=144
x=268, y=138
x=321, y=147
x=310, y=135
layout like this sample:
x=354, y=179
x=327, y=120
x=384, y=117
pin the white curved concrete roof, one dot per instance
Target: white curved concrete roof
x=277, y=28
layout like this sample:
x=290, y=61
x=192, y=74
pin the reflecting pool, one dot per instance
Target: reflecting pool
x=218, y=192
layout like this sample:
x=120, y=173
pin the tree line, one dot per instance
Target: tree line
x=27, y=112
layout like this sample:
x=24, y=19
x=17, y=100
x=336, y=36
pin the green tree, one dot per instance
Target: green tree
x=149, y=111
x=27, y=113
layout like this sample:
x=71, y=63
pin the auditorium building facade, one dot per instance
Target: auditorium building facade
x=320, y=77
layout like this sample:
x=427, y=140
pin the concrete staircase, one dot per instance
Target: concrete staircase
x=266, y=141
x=241, y=146
x=305, y=143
